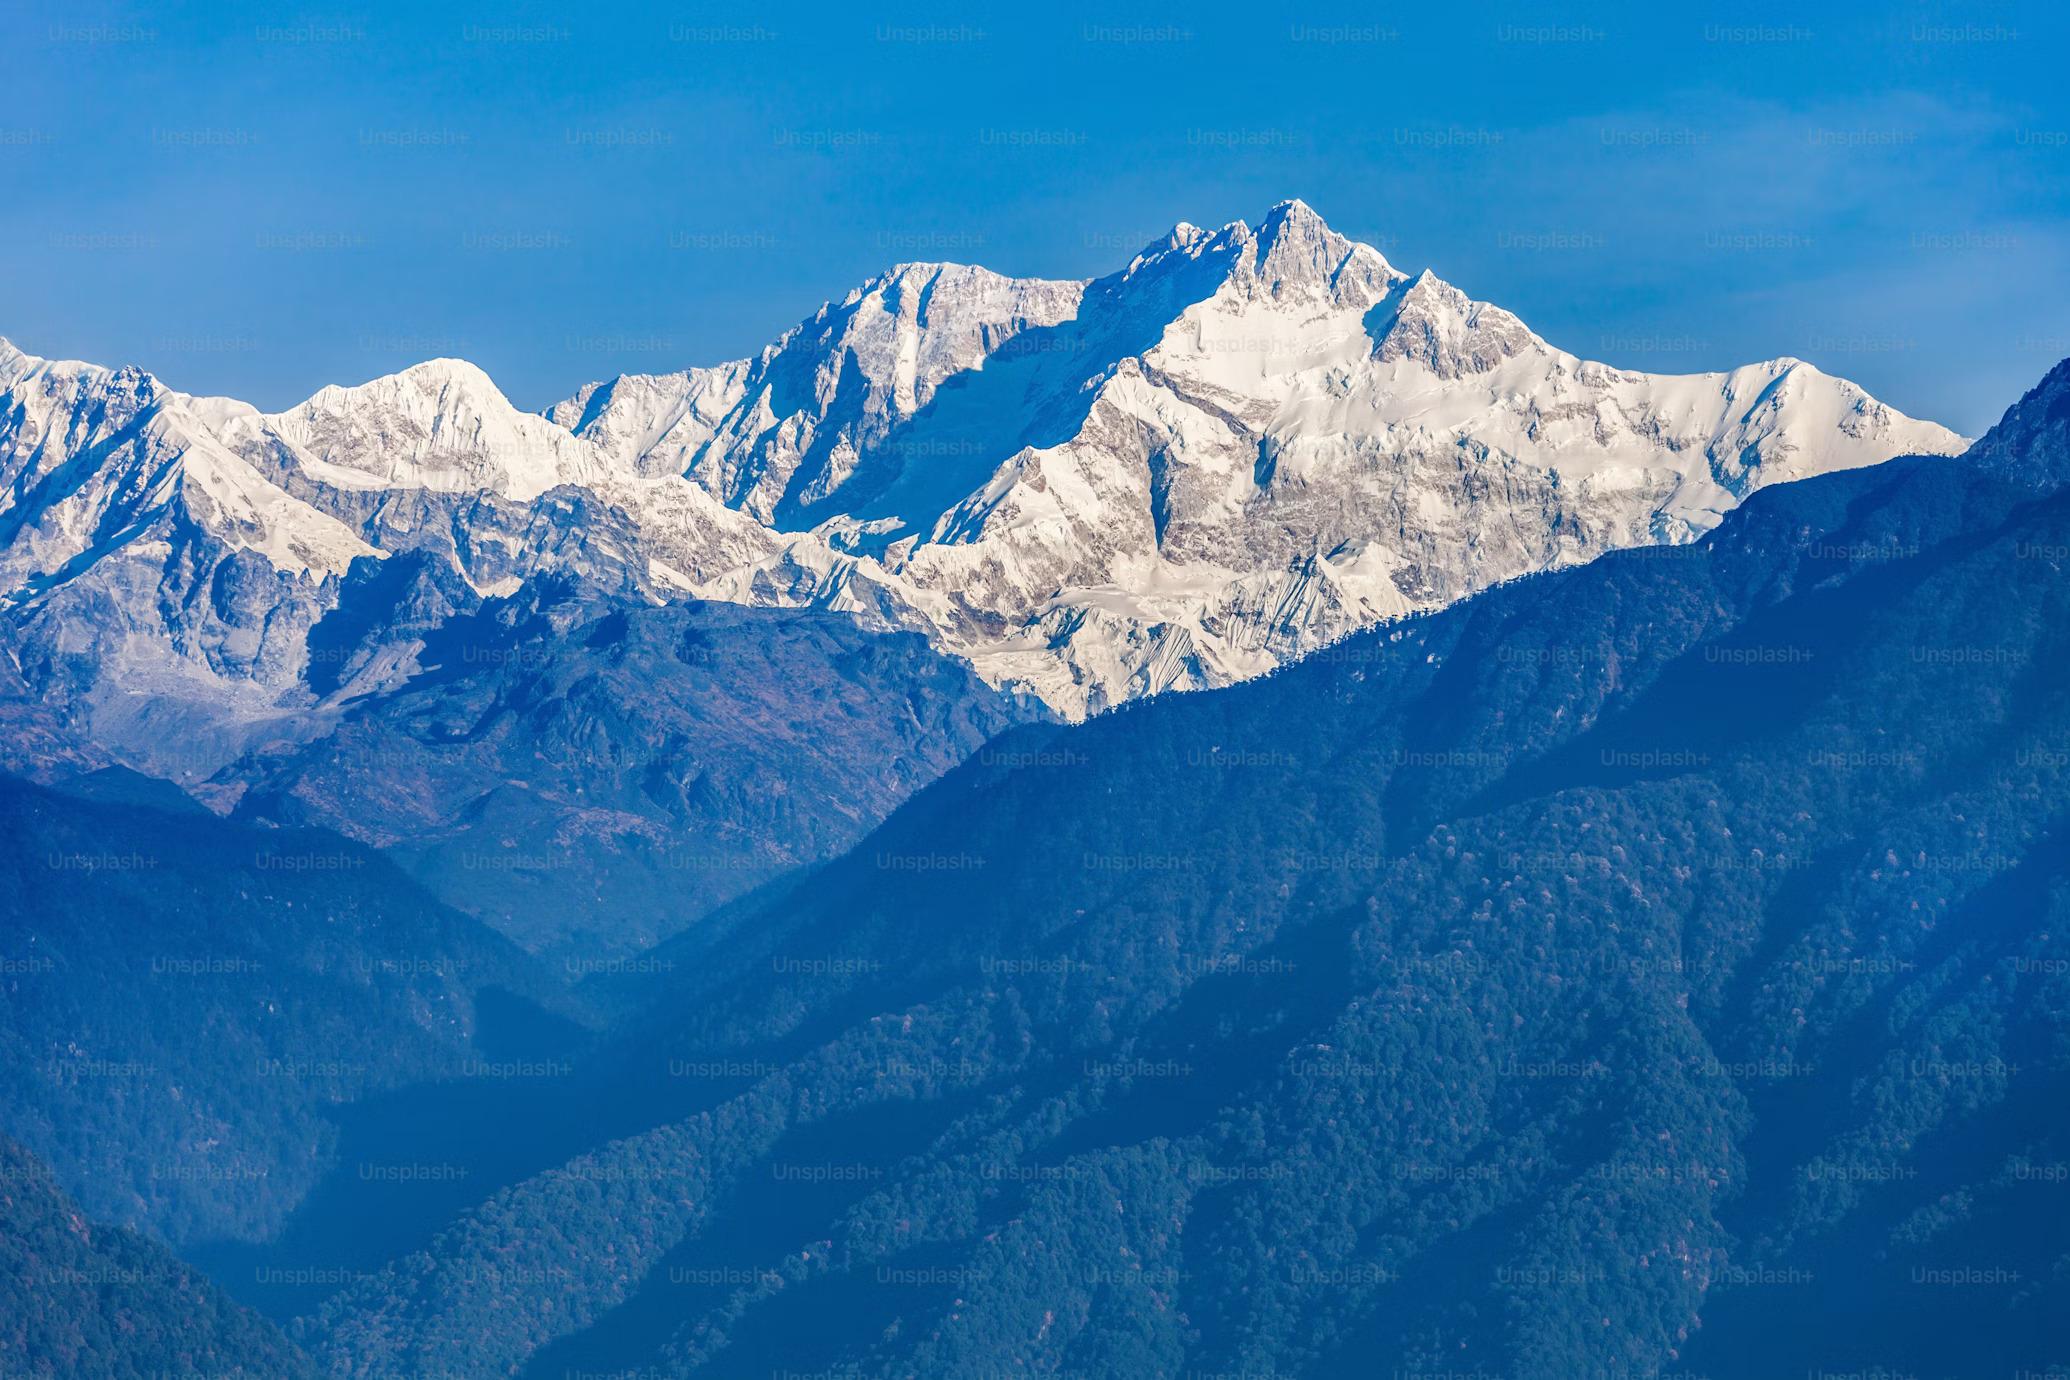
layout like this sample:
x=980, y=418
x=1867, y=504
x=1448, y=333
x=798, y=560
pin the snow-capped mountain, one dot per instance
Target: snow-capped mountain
x=1241, y=446
x=165, y=560
x=157, y=589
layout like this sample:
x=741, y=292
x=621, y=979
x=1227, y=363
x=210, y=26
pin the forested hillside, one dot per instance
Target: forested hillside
x=186, y=1002
x=592, y=775
x=85, y=1302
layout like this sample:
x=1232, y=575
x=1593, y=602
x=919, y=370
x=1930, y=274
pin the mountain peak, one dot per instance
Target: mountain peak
x=440, y=424
x=1295, y=220
x=445, y=372
x=1182, y=237
x=446, y=366
x=907, y=272
x=14, y=362
x=17, y=364
x=1296, y=253
x=1440, y=327
x=1293, y=210
x=441, y=384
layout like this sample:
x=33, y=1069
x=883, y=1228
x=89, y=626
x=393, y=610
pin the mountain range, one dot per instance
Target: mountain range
x=711, y=879
x=1649, y=967
x=1242, y=446
x=1239, y=447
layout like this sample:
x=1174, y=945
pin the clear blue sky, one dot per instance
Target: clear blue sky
x=258, y=204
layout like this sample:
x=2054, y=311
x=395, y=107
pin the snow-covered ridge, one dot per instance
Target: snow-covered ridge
x=1241, y=445
x=92, y=457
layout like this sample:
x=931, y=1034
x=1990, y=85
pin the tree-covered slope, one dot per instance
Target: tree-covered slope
x=80, y=1301
x=185, y=1000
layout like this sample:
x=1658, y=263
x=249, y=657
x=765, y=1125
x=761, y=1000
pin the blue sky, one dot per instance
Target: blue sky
x=261, y=203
